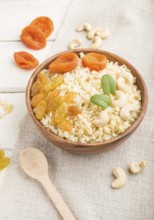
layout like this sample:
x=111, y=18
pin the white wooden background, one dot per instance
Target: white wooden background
x=15, y=15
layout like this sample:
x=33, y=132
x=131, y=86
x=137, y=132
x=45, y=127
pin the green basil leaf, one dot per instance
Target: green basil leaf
x=108, y=84
x=101, y=100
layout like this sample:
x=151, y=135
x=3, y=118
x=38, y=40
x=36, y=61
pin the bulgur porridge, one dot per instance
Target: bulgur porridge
x=86, y=104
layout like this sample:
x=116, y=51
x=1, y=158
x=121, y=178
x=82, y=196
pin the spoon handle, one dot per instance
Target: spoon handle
x=56, y=198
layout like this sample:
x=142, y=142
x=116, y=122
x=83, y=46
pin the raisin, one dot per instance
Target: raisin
x=36, y=87
x=61, y=112
x=36, y=99
x=4, y=162
x=66, y=125
x=40, y=109
x=73, y=110
x=69, y=97
x=42, y=78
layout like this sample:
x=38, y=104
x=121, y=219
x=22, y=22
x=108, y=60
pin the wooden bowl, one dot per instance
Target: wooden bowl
x=86, y=148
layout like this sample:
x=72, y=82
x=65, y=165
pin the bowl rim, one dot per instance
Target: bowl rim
x=92, y=144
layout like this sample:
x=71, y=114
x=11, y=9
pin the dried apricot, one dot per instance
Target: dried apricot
x=42, y=78
x=94, y=61
x=73, y=110
x=36, y=87
x=69, y=97
x=45, y=24
x=4, y=162
x=64, y=63
x=40, y=109
x=61, y=112
x=25, y=60
x=33, y=37
x=66, y=125
x=36, y=99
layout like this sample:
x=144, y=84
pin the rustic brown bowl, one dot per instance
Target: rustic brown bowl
x=87, y=148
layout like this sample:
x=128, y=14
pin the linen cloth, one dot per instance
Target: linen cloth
x=85, y=181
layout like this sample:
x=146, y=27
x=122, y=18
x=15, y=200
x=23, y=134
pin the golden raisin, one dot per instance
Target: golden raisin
x=66, y=125
x=50, y=100
x=36, y=99
x=40, y=109
x=57, y=101
x=69, y=97
x=36, y=87
x=57, y=81
x=61, y=112
x=42, y=78
x=2, y=154
x=4, y=162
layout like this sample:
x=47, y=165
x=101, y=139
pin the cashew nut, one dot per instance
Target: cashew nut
x=97, y=41
x=121, y=98
x=103, y=34
x=83, y=27
x=102, y=121
x=126, y=109
x=92, y=33
x=120, y=175
x=74, y=44
x=137, y=167
x=121, y=84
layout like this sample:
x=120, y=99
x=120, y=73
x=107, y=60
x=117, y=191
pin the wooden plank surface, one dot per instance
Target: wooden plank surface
x=15, y=15
x=9, y=124
x=12, y=77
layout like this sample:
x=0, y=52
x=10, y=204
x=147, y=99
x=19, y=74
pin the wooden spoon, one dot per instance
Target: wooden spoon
x=34, y=163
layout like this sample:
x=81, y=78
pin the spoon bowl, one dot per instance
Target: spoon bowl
x=33, y=162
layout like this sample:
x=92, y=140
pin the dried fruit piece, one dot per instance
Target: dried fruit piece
x=69, y=97
x=66, y=125
x=64, y=63
x=56, y=81
x=53, y=120
x=45, y=24
x=25, y=60
x=61, y=112
x=36, y=87
x=40, y=109
x=57, y=101
x=33, y=37
x=2, y=154
x=4, y=162
x=36, y=99
x=50, y=100
x=94, y=61
x=42, y=78
x=73, y=110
